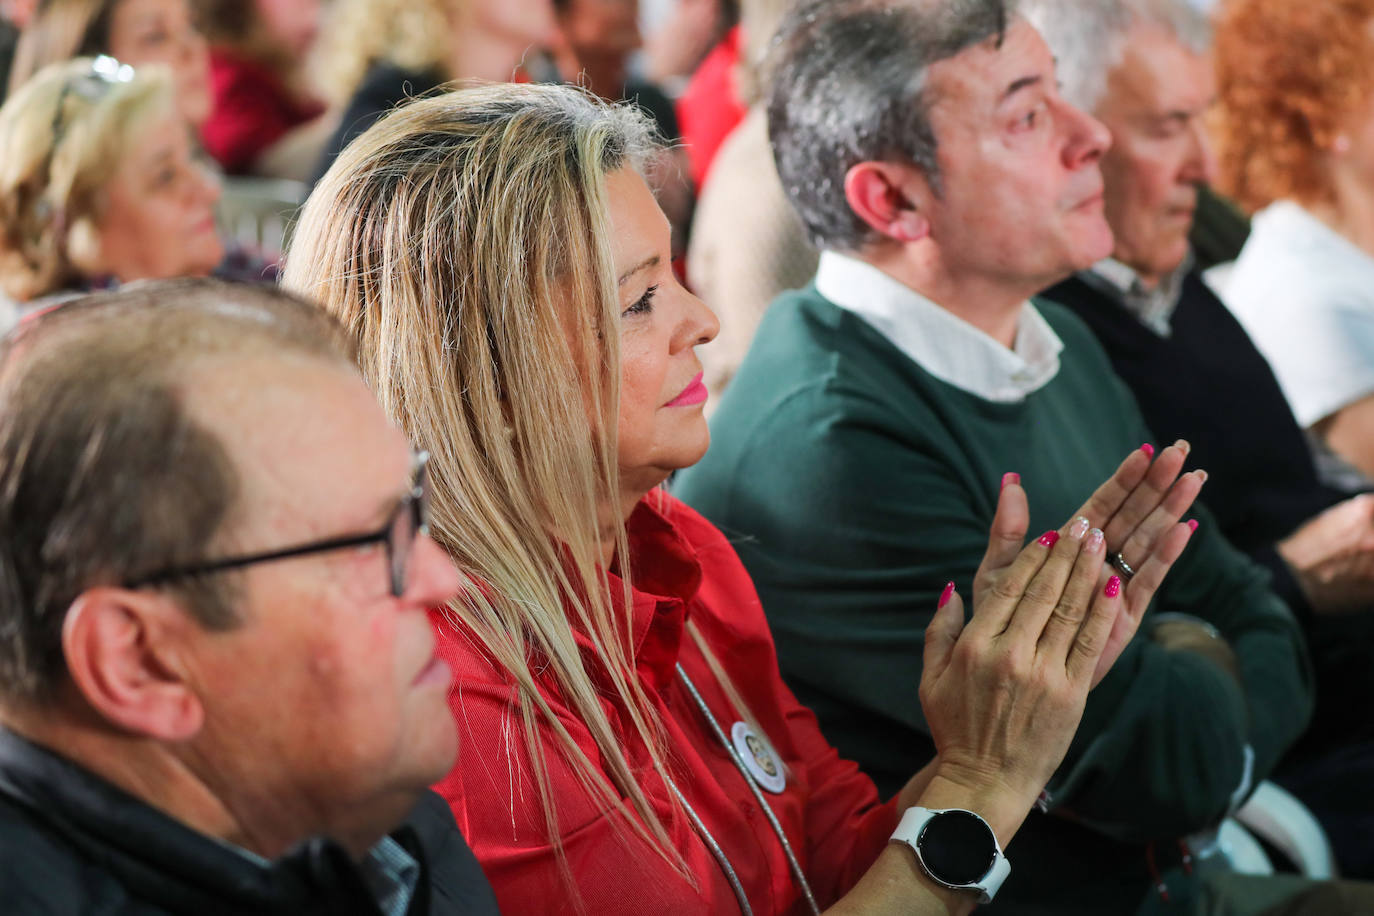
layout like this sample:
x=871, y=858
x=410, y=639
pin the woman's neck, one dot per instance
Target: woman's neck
x=1350, y=212
x=634, y=486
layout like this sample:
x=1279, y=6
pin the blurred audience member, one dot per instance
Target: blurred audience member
x=596, y=38
x=748, y=243
x=1296, y=130
x=1144, y=68
x=134, y=32
x=504, y=265
x=856, y=456
x=98, y=183
x=265, y=120
x=710, y=106
x=380, y=53
x=188, y=725
x=14, y=17
x=677, y=43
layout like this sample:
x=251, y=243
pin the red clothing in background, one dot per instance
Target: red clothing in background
x=252, y=111
x=683, y=567
x=710, y=106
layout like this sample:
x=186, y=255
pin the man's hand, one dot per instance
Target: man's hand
x=1332, y=556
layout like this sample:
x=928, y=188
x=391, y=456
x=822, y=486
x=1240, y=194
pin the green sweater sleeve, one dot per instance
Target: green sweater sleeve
x=855, y=488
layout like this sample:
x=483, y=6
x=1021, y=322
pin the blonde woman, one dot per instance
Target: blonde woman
x=628, y=745
x=379, y=53
x=98, y=183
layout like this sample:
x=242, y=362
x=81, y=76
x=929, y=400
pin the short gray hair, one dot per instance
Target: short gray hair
x=848, y=83
x=1088, y=37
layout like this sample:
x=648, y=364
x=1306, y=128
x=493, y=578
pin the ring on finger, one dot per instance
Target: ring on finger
x=1122, y=566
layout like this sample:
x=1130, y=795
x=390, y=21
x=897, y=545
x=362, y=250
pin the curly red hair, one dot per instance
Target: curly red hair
x=1289, y=75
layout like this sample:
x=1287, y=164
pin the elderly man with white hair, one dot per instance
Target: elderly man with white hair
x=1144, y=69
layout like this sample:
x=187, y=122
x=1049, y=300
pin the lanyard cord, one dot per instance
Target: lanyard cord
x=711, y=844
x=749, y=780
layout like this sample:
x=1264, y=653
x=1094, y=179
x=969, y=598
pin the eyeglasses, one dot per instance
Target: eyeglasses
x=407, y=523
x=92, y=85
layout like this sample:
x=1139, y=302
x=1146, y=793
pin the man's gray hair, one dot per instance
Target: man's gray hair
x=1088, y=37
x=848, y=83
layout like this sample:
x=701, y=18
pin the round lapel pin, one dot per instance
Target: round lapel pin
x=762, y=762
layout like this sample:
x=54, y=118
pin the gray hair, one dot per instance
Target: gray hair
x=848, y=84
x=1088, y=37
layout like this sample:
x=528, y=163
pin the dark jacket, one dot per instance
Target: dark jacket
x=72, y=844
x=384, y=88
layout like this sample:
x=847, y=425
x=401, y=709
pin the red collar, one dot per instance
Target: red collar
x=666, y=576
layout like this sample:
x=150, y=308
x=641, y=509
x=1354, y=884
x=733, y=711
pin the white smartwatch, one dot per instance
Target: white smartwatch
x=956, y=848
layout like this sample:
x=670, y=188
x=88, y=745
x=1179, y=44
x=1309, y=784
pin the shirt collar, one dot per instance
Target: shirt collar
x=940, y=342
x=666, y=576
x=1154, y=307
x=391, y=874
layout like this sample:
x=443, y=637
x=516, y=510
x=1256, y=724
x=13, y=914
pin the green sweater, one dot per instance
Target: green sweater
x=855, y=484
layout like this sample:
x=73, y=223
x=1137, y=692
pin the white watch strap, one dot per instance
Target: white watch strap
x=909, y=831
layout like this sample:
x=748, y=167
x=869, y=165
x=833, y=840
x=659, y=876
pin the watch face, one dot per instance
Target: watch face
x=957, y=847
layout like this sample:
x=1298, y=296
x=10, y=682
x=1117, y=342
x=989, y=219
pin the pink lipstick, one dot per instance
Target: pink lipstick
x=695, y=393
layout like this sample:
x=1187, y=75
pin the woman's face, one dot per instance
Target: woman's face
x=158, y=214
x=146, y=32
x=291, y=25
x=662, y=427
x=521, y=22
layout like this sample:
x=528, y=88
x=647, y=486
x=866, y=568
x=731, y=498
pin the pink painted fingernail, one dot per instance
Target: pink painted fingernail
x=946, y=595
x=1113, y=587
x=1192, y=524
x=1010, y=478
x=1049, y=538
x=1148, y=449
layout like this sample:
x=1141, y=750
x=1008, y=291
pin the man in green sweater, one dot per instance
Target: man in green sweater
x=858, y=452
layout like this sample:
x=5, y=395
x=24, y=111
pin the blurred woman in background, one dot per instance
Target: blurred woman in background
x=379, y=53
x=265, y=120
x=98, y=183
x=135, y=32
x=1295, y=86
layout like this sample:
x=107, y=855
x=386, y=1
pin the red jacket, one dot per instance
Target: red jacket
x=252, y=111
x=830, y=811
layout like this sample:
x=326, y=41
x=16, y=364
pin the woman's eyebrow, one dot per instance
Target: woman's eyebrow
x=651, y=261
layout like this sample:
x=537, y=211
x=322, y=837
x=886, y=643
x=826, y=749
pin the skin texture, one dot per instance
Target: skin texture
x=157, y=219
x=326, y=712
x=1017, y=163
x=146, y=32
x=601, y=35
x=292, y=25
x=1155, y=103
x=661, y=324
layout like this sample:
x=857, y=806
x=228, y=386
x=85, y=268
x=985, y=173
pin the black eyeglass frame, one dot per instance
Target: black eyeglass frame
x=415, y=501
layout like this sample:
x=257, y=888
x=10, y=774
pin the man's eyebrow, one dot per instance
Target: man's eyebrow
x=1024, y=82
x=652, y=260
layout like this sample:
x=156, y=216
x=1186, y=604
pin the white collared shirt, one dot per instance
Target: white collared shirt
x=943, y=344
x=1153, y=307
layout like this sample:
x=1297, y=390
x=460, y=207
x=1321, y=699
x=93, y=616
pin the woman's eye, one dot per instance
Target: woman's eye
x=644, y=304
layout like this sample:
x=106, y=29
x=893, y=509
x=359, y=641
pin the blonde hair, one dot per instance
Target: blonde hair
x=464, y=240
x=54, y=165
x=415, y=35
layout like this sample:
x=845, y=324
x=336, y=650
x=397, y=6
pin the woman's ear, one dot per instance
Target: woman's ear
x=890, y=198
x=121, y=654
x=84, y=248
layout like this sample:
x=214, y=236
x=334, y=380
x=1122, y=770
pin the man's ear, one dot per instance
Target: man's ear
x=122, y=653
x=891, y=198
